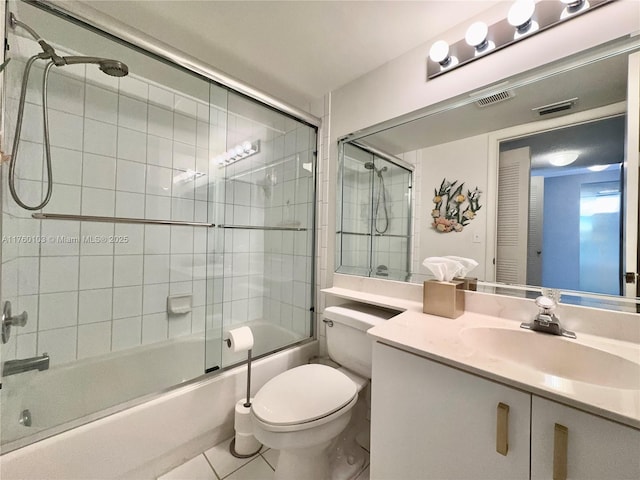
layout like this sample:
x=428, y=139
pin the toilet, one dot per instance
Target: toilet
x=304, y=412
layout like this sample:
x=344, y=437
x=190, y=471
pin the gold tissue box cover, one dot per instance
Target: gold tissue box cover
x=445, y=299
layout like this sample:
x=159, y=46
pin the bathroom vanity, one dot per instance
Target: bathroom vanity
x=479, y=397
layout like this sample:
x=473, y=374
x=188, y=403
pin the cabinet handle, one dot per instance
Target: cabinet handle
x=560, y=446
x=502, y=429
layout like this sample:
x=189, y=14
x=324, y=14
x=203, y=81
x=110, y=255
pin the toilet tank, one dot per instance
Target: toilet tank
x=347, y=340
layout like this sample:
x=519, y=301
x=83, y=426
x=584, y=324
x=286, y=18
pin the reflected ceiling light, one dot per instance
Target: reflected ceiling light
x=239, y=152
x=187, y=176
x=562, y=159
x=476, y=37
x=439, y=53
x=573, y=7
x=521, y=17
x=598, y=168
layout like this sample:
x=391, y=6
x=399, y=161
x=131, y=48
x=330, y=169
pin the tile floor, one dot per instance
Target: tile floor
x=218, y=464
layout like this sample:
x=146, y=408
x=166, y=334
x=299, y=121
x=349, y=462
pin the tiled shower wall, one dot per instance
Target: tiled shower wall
x=121, y=147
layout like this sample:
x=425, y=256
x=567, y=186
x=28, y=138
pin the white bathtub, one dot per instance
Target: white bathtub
x=83, y=388
x=148, y=439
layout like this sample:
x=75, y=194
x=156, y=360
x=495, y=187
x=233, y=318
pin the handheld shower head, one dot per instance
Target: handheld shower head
x=115, y=68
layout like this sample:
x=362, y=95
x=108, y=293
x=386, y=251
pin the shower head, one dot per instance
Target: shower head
x=372, y=166
x=115, y=68
x=369, y=166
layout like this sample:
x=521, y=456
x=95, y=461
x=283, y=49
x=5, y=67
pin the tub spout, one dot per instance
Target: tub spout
x=21, y=365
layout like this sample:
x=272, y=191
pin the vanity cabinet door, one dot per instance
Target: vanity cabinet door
x=431, y=421
x=568, y=443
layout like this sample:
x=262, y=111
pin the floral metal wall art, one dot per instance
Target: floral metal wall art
x=453, y=208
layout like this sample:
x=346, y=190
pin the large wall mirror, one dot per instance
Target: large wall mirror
x=535, y=178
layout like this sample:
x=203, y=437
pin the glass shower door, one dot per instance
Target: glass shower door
x=265, y=221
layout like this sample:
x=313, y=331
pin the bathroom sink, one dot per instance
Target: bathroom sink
x=555, y=355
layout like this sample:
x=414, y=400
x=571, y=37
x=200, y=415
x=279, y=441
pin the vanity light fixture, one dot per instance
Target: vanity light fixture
x=562, y=159
x=573, y=7
x=439, y=53
x=239, y=152
x=521, y=17
x=476, y=37
x=598, y=168
x=524, y=19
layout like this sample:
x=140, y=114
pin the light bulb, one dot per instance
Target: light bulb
x=520, y=15
x=476, y=35
x=439, y=52
x=573, y=7
x=239, y=150
x=246, y=146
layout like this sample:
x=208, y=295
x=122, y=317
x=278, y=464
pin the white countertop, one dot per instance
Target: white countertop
x=440, y=339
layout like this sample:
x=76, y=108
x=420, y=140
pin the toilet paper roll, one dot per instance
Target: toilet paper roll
x=240, y=339
x=242, y=418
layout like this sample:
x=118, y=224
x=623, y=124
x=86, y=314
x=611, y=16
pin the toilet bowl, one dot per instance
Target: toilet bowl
x=304, y=412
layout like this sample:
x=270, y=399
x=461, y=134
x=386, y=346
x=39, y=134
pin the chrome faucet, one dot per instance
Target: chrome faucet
x=11, y=367
x=546, y=321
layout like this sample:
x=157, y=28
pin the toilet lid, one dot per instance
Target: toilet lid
x=303, y=394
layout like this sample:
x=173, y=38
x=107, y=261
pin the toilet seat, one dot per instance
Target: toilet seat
x=302, y=398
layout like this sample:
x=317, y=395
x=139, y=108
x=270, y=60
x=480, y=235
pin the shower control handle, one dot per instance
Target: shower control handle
x=8, y=321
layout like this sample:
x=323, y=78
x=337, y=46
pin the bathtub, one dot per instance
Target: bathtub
x=68, y=395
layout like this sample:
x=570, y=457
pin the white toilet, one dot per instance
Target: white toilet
x=303, y=410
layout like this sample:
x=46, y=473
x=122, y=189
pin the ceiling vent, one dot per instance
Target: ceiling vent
x=495, y=98
x=555, y=107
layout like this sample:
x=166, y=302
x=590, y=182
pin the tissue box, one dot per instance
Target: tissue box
x=445, y=299
x=470, y=283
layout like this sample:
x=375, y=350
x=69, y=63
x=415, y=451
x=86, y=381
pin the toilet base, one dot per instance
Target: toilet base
x=304, y=463
x=347, y=457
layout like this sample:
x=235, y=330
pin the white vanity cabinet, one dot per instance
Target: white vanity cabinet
x=568, y=443
x=431, y=421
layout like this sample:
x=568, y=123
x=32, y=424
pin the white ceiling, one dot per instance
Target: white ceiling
x=294, y=50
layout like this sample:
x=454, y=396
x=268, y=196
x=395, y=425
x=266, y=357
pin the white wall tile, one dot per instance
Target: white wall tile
x=133, y=87
x=132, y=113
x=182, y=239
x=96, y=238
x=156, y=269
x=65, y=130
x=160, y=97
x=126, y=333
x=182, y=209
x=155, y=298
x=60, y=344
x=96, y=77
x=101, y=104
x=179, y=325
x=181, y=268
x=62, y=238
x=159, y=180
x=94, y=339
x=185, y=105
x=132, y=145
x=66, y=94
x=100, y=138
x=154, y=328
x=58, y=274
x=127, y=302
x=127, y=270
x=96, y=201
x=157, y=239
x=26, y=345
x=159, y=151
x=184, y=129
x=184, y=156
x=98, y=171
x=58, y=310
x=65, y=199
x=67, y=165
x=129, y=239
x=131, y=176
x=95, y=305
x=158, y=208
x=96, y=272
x=160, y=122
x=31, y=156
x=130, y=205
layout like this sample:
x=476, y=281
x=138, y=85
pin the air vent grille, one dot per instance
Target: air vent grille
x=495, y=98
x=555, y=107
